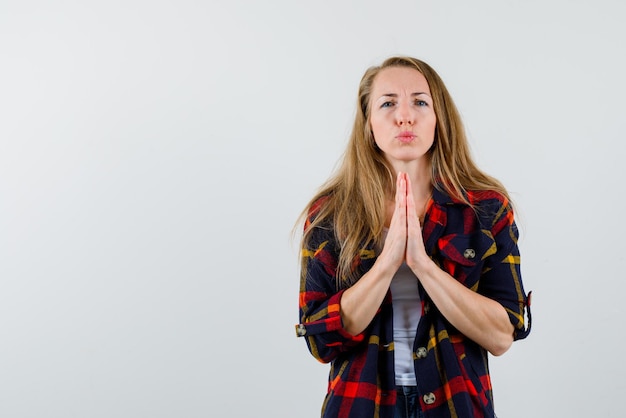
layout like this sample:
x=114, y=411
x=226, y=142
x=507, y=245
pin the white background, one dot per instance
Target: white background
x=154, y=156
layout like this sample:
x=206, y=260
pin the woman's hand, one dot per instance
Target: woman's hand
x=416, y=257
x=404, y=241
x=394, y=249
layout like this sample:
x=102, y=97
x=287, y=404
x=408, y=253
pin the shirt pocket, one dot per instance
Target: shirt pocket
x=463, y=255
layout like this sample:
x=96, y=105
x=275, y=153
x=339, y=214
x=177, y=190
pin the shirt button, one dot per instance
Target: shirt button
x=421, y=352
x=429, y=398
x=469, y=253
x=300, y=330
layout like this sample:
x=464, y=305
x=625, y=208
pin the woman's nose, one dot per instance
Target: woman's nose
x=404, y=115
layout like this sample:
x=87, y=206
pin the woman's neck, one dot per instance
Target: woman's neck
x=420, y=176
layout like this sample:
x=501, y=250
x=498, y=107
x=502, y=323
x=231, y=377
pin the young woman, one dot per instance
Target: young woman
x=410, y=264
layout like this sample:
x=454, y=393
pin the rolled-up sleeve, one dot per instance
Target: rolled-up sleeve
x=320, y=300
x=501, y=279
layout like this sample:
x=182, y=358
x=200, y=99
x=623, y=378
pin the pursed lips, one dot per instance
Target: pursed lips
x=406, y=136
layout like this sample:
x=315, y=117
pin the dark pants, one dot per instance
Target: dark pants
x=407, y=404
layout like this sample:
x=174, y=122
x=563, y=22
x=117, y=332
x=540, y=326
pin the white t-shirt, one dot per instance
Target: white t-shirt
x=407, y=311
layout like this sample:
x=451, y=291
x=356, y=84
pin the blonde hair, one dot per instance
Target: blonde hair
x=355, y=196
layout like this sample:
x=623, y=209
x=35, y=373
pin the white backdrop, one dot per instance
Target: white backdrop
x=155, y=155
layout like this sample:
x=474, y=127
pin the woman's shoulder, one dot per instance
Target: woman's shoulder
x=476, y=198
x=317, y=205
x=488, y=198
x=494, y=210
x=318, y=225
x=491, y=206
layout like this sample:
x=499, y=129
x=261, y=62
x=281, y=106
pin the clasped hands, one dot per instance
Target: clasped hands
x=404, y=242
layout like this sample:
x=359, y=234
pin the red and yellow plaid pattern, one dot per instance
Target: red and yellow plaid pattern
x=477, y=247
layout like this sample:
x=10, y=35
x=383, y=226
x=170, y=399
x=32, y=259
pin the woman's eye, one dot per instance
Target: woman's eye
x=421, y=103
x=387, y=104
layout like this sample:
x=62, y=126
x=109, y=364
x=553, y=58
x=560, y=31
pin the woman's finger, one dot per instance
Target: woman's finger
x=411, y=210
x=415, y=243
x=394, y=248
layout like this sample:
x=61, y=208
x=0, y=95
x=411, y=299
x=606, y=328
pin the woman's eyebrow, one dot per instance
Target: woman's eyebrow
x=394, y=95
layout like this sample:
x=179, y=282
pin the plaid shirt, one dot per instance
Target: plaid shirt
x=478, y=248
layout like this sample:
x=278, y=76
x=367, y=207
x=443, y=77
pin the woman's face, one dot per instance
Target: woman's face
x=402, y=117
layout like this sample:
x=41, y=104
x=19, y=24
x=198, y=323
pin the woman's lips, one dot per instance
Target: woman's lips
x=406, y=137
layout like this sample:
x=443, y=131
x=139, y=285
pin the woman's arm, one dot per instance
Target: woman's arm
x=478, y=317
x=334, y=321
x=360, y=302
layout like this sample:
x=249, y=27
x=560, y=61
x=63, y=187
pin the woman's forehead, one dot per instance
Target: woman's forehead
x=400, y=79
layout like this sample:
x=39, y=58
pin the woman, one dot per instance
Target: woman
x=410, y=265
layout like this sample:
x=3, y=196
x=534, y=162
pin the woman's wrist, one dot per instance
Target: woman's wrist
x=422, y=266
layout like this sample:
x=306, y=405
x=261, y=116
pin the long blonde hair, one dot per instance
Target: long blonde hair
x=355, y=196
